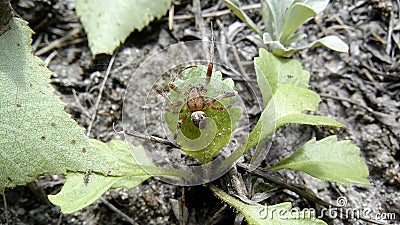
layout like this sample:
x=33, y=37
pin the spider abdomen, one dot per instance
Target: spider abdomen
x=195, y=98
x=196, y=104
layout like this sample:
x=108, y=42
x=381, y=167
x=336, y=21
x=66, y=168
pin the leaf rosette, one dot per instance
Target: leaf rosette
x=281, y=19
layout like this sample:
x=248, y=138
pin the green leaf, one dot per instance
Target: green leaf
x=283, y=84
x=296, y=37
x=331, y=42
x=328, y=159
x=280, y=214
x=273, y=13
x=203, y=144
x=234, y=5
x=36, y=135
x=273, y=71
x=296, y=15
x=286, y=107
x=77, y=194
x=282, y=18
x=277, y=47
x=317, y=5
x=108, y=23
x=128, y=166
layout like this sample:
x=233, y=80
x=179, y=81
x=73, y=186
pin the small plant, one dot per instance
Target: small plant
x=207, y=100
x=282, y=18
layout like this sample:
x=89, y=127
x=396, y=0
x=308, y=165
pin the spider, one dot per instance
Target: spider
x=195, y=98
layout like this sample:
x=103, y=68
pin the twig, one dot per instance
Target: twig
x=50, y=57
x=146, y=137
x=389, y=34
x=182, y=205
x=79, y=103
x=218, y=13
x=277, y=179
x=235, y=52
x=39, y=193
x=358, y=4
x=217, y=216
x=171, y=17
x=7, y=215
x=151, y=138
x=60, y=219
x=103, y=84
x=398, y=7
x=119, y=212
x=199, y=22
x=59, y=42
x=349, y=101
x=37, y=42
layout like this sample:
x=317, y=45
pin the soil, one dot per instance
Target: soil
x=360, y=89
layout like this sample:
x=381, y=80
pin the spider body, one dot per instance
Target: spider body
x=195, y=94
x=196, y=102
x=195, y=98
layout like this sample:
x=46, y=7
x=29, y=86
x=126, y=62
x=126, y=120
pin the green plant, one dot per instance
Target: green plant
x=206, y=142
x=282, y=18
x=32, y=142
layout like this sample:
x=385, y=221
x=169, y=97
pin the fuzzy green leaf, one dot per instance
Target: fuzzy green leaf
x=78, y=193
x=283, y=84
x=273, y=71
x=276, y=47
x=108, y=23
x=203, y=144
x=36, y=135
x=128, y=166
x=273, y=13
x=296, y=15
x=331, y=42
x=317, y=5
x=286, y=107
x=280, y=214
x=281, y=20
x=234, y=5
x=328, y=159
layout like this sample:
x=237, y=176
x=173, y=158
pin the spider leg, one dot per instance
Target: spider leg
x=171, y=82
x=175, y=88
x=211, y=63
x=179, y=124
x=210, y=103
x=181, y=120
x=170, y=102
